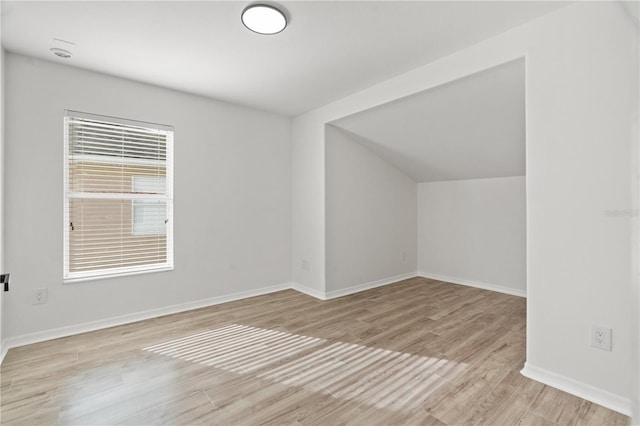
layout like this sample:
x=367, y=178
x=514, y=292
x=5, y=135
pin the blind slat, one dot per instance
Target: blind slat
x=97, y=131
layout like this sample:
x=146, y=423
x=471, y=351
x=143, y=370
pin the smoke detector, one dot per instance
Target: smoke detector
x=61, y=52
x=62, y=48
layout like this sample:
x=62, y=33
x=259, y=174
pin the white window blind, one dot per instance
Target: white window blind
x=148, y=215
x=118, y=196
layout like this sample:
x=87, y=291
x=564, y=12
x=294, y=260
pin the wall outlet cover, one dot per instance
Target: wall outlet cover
x=39, y=296
x=601, y=337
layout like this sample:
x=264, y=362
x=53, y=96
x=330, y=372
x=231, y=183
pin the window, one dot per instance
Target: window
x=118, y=197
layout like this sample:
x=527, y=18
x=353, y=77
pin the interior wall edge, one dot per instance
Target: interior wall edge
x=320, y=295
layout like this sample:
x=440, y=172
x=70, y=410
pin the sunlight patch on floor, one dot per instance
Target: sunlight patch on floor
x=236, y=348
x=378, y=377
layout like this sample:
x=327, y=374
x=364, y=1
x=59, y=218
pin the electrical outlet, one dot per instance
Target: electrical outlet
x=601, y=337
x=404, y=256
x=39, y=296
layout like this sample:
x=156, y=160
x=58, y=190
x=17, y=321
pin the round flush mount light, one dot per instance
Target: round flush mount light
x=264, y=19
x=65, y=54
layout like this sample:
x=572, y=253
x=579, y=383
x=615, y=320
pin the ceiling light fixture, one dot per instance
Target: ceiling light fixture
x=264, y=19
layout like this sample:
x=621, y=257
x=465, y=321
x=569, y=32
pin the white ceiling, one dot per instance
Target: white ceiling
x=471, y=128
x=330, y=49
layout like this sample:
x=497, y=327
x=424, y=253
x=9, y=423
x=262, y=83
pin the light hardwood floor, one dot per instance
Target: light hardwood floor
x=415, y=352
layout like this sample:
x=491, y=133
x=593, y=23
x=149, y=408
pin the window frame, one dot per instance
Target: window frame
x=168, y=265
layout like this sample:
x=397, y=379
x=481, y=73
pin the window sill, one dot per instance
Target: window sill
x=115, y=275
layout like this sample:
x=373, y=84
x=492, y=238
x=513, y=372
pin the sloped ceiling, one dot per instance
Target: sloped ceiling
x=471, y=128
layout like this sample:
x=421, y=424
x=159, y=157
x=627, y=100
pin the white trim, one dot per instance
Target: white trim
x=566, y=384
x=65, y=200
x=79, y=277
x=106, y=120
x=367, y=286
x=56, y=333
x=324, y=295
x=169, y=191
x=4, y=348
x=590, y=393
x=71, y=330
x=484, y=286
x=309, y=291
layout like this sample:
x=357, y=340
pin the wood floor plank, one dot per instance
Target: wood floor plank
x=419, y=351
x=558, y=406
x=530, y=419
x=509, y=401
x=593, y=415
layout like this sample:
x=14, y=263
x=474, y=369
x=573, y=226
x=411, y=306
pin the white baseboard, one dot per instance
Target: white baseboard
x=484, y=286
x=367, y=286
x=309, y=291
x=4, y=348
x=324, y=295
x=582, y=390
x=590, y=393
x=57, y=333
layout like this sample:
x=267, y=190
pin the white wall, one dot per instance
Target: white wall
x=633, y=15
x=370, y=215
x=579, y=104
x=635, y=247
x=579, y=66
x=473, y=231
x=635, y=239
x=232, y=209
x=308, y=229
x=2, y=270
x=635, y=267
